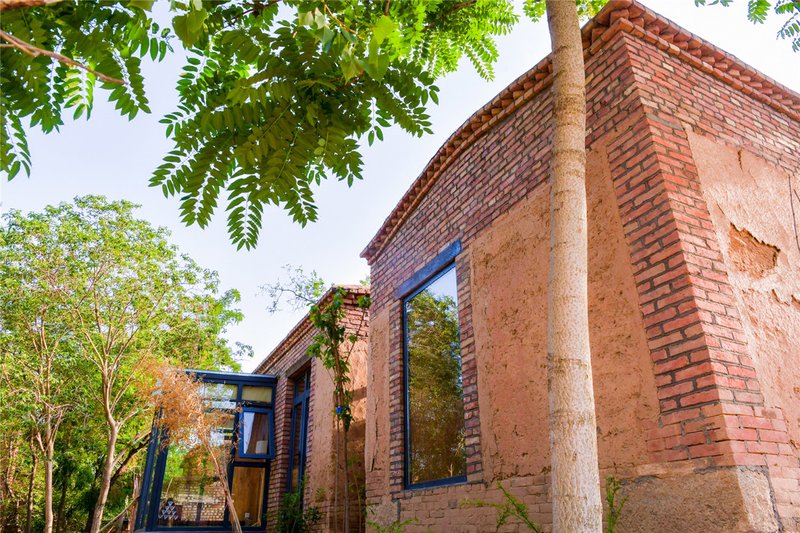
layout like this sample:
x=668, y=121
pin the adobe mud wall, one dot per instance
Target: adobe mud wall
x=756, y=214
x=687, y=414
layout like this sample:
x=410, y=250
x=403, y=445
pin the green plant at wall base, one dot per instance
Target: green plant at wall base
x=292, y=517
x=508, y=509
x=615, y=505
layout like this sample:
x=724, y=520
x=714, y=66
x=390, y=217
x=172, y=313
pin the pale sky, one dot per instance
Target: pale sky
x=110, y=156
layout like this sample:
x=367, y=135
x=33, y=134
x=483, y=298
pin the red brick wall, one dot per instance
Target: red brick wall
x=645, y=94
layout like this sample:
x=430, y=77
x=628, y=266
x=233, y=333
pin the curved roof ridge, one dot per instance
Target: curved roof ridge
x=618, y=15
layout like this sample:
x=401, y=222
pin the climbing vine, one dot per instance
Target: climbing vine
x=333, y=345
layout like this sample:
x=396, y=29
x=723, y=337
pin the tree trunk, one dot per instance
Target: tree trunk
x=105, y=480
x=48, y=483
x=573, y=439
x=336, y=477
x=9, y=502
x=346, y=482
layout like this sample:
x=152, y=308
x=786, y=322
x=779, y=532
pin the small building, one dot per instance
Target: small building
x=306, y=435
x=693, y=180
x=181, y=487
x=278, y=428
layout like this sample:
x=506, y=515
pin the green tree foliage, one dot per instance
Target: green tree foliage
x=275, y=95
x=40, y=78
x=90, y=296
x=273, y=101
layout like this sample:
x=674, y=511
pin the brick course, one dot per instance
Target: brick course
x=650, y=85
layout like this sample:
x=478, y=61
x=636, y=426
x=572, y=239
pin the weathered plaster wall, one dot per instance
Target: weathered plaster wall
x=509, y=286
x=752, y=203
x=377, y=407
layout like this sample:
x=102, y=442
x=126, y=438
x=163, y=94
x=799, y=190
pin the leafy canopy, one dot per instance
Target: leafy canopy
x=90, y=298
x=108, y=38
x=275, y=95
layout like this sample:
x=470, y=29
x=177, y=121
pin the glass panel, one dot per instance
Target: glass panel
x=247, y=490
x=435, y=388
x=255, y=433
x=220, y=395
x=257, y=394
x=297, y=447
x=192, y=493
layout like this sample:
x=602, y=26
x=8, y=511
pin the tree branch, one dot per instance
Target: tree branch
x=137, y=446
x=459, y=6
x=35, y=51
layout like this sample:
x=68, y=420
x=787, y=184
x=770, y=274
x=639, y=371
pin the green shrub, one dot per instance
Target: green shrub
x=292, y=517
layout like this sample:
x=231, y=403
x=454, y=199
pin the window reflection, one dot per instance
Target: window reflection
x=192, y=493
x=247, y=491
x=255, y=433
x=257, y=394
x=220, y=395
x=435, y=388
x=299, y=427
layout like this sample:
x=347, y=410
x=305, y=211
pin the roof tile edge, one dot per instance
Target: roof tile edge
x=618, y=15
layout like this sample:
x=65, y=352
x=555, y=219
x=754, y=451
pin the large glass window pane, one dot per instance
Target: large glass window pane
x=247, y=490
x=297, y=459
x=192, y=493
x=435, y=388
x=254, y=433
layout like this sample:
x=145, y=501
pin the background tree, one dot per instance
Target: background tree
x=109, y=295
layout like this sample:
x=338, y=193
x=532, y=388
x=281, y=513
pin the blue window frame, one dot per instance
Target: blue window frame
x=256, y=441
x=298, y=443
x=434, y=403
x=189, y=500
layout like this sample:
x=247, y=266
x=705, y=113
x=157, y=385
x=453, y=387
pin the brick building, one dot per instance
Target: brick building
x=305, y=434
x=693, y=179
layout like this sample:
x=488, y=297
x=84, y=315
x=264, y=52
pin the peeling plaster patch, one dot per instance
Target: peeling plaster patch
x=750, y=254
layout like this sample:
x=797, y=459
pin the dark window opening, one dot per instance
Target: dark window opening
x=299, y=433
x=435, y=450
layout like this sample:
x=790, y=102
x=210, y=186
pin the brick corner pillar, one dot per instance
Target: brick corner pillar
x=712, y=413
